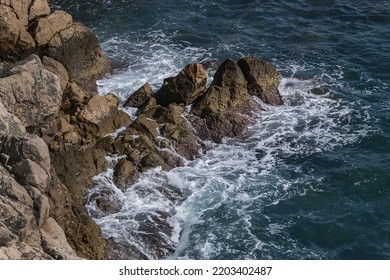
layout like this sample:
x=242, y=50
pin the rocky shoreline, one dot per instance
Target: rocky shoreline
x=55, y=130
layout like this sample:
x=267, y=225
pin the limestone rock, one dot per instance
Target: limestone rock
x=78, y=50
x=50, y=25
x=9, y=31
x=148, y=109
x=38, y=8
x=28, y=172
x=25, y=45
x=102, y=116
x=56, y=68
x=263, y=80
x=10, y=124
x=41, y=205
x=21, y=9
x=31, y=92
x=228, y=92
x=185, y=88
x=75, y=165
x=26, y=146
x=176, y=129
x=16, y=42
x=54, y=241
x=140, y=96
x=146, y=126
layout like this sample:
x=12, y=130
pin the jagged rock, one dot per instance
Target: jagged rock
x=50, y=25
x=20, y=7
x=146, y=126
x=28, y=172
x=140, y=96
x=124, y=169
x=26, y=146
x=148, y=109
x=75, y=166
x=102, y=116
x=41, y=205
x=228, y=92
x=20, y=237
x=29, y=91
x=263, y=80
x=54, y=241
x=78, y=50
x=185, y=88
x=177, y=131
x=66, y=132
x=223, y=105
x=56, y=68
x=23, y=220
x=10, y=124
x=74, y=99
x=16, y=42
x=38, y=8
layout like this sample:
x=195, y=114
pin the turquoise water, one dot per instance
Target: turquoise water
x=310, y=179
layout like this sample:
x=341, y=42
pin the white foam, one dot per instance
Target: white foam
x=242, y=175
x=155, y=57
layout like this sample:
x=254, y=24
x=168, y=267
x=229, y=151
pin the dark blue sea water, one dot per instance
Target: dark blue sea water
x=310, y=179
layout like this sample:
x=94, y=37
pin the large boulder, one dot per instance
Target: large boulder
x=263, y=80
x=223, y=107
x=140, y=96
x=16, y=42
x=30, y=91
x=56, y=68
x=47, y=27
x=37, y=9
x=185, y=88
x=101, y=116
x=228, y=92
x=77, y=48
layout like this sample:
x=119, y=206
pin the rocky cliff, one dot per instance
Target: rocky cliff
x=55, y=131
x=48, y=68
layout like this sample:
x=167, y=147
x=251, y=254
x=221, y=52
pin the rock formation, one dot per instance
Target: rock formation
x=55, y=132
x=48, y=67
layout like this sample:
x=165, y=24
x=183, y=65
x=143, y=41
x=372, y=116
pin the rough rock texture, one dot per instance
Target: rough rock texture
x=188, y=85
x=224, y=106
x=101, y=115
x=23, y=206
x=140, y=96
x=9, y=123
x=47, y=95
x=56, y=68
x=16, y=42
x=30, y=92
x=78, y=50
x=263, y=80
x=47, y=27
